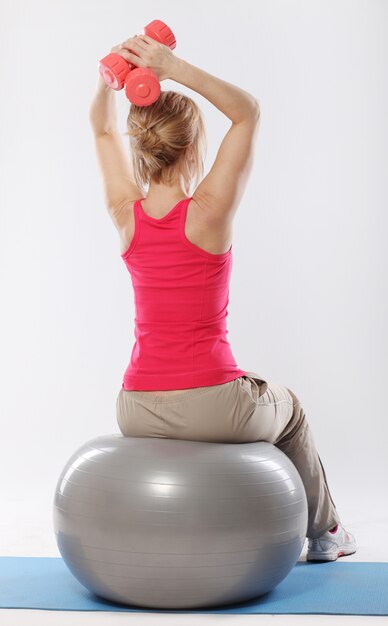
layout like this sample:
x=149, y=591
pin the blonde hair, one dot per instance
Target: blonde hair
x=169, y=133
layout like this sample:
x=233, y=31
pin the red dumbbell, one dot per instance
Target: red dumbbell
x=142, y=86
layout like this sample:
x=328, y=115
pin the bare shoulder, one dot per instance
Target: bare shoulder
x=208, y=229
x=208, y=212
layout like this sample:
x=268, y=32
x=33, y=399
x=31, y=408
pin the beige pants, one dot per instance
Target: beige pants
x=246, y=409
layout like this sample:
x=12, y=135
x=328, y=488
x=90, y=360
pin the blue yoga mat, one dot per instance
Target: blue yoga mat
x=332, y=588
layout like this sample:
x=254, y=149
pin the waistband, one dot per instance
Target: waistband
x=176, y=397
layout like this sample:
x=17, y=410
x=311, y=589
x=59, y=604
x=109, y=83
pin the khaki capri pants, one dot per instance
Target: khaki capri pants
x=243, y=410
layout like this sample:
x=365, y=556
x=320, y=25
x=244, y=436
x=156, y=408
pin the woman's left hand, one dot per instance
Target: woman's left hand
x=143, y=51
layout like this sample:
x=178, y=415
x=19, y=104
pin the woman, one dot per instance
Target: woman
x=182, y=380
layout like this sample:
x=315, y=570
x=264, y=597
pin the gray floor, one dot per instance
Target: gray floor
x=26, y=530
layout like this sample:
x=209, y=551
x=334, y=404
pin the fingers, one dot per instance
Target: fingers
x=133, y=50
x=129, y=56
x=134, y=43
x=147, y=39
x=132, y=58
x=129, y=49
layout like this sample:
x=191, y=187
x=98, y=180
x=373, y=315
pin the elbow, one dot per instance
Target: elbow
x=253, y=110
x=93, y=121
x=256, y=108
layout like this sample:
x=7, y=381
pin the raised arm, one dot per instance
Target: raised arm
x=220, y=192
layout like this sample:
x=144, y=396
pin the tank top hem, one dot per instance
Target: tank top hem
x=182, y=381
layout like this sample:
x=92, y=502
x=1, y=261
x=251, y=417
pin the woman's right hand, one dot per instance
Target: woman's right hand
x=143, y=51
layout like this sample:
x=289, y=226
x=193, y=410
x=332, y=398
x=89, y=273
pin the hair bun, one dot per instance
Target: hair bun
x=176, y=123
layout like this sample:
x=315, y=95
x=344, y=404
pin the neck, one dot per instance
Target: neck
x=160, y=194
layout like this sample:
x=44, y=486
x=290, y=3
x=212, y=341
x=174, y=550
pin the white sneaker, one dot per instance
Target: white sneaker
x=331, y=545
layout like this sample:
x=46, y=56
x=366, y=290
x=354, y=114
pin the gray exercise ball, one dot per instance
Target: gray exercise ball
x=178, y=524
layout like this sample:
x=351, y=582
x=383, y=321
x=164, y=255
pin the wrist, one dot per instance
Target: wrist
x=102, y=86
x=176, y=68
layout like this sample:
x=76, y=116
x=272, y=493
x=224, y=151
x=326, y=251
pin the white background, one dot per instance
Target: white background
x=308, y=293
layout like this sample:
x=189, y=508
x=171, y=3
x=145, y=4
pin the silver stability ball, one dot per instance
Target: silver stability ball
x=177, y=524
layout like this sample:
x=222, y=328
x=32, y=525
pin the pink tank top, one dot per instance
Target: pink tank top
x=181, y=294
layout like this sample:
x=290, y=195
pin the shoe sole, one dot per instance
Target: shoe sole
x=318, y=556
